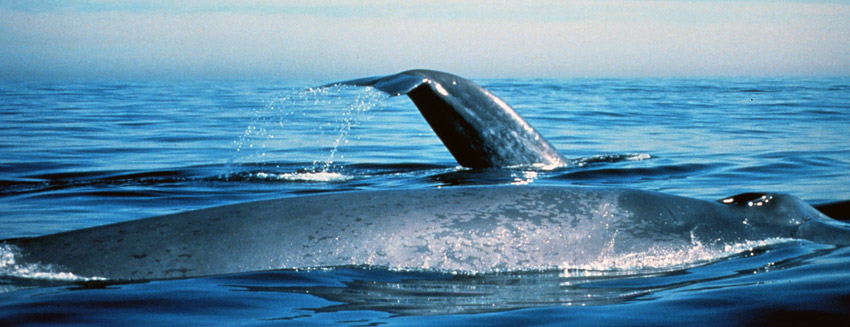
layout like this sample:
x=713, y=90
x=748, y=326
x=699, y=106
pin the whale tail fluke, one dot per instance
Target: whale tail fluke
x=478, y=128
x=394, y=85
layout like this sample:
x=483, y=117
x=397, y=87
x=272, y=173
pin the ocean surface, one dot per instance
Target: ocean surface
x=82, y=154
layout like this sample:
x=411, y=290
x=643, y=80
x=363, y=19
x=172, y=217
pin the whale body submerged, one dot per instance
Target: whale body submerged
x=458, y=229
x=484, y=228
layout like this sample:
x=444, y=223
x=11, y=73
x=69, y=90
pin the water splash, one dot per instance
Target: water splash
x=292, y=120
x=610, y=158
x=251, y=145
x=306, y=176
x=349, y=118
x=9, y=267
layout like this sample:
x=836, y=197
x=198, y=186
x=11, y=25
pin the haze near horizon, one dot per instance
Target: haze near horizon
x=345, y=39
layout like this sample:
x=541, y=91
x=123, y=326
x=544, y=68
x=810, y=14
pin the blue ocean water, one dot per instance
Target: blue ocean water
x=81, y=154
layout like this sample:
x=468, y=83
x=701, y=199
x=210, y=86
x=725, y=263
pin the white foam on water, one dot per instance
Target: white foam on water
x=524, y=178
x=639, y=157
x=9, y=267
x=581, y=162
x=317, y=177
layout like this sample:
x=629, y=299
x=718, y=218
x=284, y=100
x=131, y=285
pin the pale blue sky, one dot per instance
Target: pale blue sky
x=343, y=39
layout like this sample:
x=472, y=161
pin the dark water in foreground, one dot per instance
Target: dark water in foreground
x=79, y=155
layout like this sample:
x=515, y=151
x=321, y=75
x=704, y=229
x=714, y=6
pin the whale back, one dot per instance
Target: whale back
x=465, y=229
x=473, y=229
x=477, y=127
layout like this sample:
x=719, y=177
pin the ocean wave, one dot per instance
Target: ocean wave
x=610, y=158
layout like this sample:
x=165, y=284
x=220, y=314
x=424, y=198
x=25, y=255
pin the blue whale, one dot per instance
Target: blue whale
x=483, y=228
x=478, y=128
x=489, y=228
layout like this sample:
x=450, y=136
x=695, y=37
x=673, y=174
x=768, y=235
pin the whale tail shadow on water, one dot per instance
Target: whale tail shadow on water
x=478, y=128
x=469, y=228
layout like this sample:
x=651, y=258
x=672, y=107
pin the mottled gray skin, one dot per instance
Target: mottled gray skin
x=472, y=229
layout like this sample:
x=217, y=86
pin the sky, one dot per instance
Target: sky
x=316, y=40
